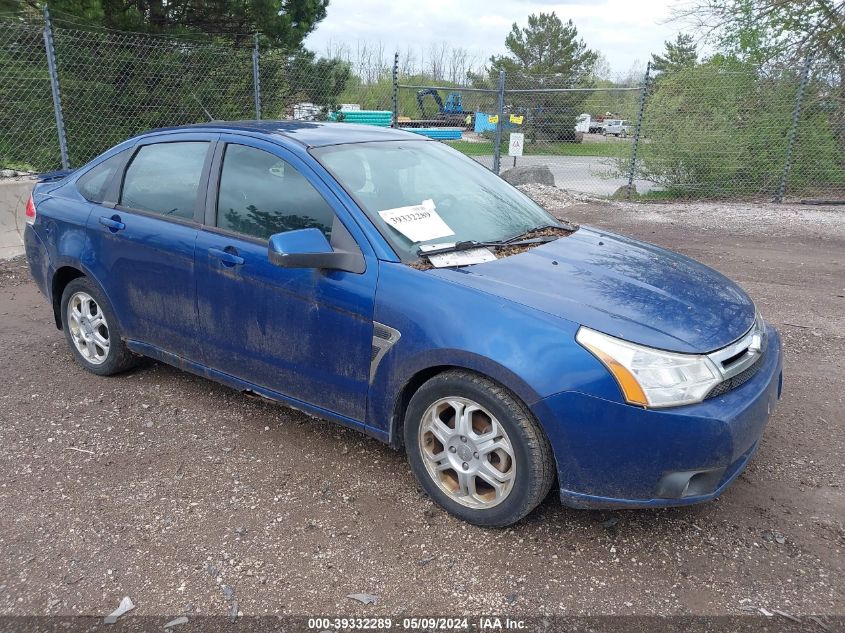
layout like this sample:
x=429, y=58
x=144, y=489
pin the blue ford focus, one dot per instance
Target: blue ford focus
x=388, y=283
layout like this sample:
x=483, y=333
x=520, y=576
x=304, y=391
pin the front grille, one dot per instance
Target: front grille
x=736, y=381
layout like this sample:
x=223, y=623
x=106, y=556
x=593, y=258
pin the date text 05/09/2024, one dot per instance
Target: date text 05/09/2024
x=481, y=624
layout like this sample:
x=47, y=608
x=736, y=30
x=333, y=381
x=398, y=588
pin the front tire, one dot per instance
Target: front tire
x=476, y=449
x=91, y=329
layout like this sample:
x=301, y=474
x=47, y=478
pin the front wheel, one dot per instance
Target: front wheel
x=476, y=449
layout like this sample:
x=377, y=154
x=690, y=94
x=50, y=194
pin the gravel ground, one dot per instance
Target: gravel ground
x=191, y=498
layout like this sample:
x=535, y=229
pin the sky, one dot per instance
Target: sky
x=625, y=31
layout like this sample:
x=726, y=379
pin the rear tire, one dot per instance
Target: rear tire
x=476, y=449
x=91, y=329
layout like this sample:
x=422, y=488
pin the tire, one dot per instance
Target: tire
x=452, y=461
x=91, y=329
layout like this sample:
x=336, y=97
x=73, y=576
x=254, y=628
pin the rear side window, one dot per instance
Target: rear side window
x=260, y=194
x=94, y=184
x=164, y=178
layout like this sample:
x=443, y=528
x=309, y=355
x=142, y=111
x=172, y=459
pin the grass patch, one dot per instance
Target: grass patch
x=609, y=149
x=23, y=167
x=661, y=195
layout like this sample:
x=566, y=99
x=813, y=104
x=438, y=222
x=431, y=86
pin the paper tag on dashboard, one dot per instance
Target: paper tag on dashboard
x=419, y=222
x=458, y=258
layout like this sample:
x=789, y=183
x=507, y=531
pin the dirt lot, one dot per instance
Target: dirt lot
x=189, y=497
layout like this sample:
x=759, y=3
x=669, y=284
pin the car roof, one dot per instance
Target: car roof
x=306, y=133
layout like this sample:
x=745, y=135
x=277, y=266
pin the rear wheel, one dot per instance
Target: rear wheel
x=91, y=329
x=476, y=449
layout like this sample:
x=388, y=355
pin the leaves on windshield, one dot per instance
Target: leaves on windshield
x=506, y=251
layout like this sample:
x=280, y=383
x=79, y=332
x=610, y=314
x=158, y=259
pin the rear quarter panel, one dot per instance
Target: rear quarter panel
x=60, y=228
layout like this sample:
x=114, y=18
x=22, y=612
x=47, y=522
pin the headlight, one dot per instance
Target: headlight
x=652, y=377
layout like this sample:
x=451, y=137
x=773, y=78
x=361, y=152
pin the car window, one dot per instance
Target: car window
x=164, y=178
x=473, y=202
x=261, y=194
x=94, y=184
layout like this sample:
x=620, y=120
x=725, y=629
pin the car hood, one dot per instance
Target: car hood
x=620, y=286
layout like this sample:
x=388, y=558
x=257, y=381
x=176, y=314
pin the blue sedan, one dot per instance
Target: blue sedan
x=384, y=281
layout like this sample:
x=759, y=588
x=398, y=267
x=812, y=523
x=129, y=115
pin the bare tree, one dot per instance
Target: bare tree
x=370, y=63
x=601, y=68
x=456, y=64
x=633, y=76
x=407, y=62
x=338, y=50
x=437, y=54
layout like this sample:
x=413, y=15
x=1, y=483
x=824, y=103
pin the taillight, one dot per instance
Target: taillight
x=30, y=211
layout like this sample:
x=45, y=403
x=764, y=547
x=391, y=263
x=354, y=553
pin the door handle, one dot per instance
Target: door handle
x=228, y=258
x=113, y=223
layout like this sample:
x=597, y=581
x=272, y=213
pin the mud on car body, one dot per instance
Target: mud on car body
x=388, y=283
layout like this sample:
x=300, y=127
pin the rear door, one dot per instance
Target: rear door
x=304, y=333
x=144, y=236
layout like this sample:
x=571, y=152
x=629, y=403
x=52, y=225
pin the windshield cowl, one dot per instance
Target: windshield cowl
x=436, y=255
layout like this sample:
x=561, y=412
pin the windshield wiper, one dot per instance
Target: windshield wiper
x=471, y=244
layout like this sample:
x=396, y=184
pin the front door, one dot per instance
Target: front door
x=304, y=333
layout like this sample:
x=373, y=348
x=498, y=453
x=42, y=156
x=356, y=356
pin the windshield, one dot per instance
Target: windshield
x=423, y=192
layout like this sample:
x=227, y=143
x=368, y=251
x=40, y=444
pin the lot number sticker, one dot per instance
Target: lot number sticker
x=419, y=222
x=517, y=140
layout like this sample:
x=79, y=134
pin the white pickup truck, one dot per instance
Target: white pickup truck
x=588, y=125
x=616, y=127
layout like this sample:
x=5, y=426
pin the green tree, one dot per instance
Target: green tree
x=287, y=79
x=88, y=11
x=718, y=129
x=773, y=33
x=778, y=28
x=282, y=23
x=116, y=83
x=681, y=53
x=546, y=46
x=547, y=53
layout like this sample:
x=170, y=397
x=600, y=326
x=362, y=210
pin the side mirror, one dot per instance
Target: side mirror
x=309, y=248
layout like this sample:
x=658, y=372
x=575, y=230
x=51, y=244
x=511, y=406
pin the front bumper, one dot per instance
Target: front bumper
x=613, y=455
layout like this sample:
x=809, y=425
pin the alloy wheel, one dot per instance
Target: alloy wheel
x=467, y=452
x=89, y=330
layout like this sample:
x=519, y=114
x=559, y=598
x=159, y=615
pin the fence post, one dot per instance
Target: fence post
x=256, y=78
x=793, y=130
x=394, y=119
x=54, y=87
x=635, y=143
x=500, y=110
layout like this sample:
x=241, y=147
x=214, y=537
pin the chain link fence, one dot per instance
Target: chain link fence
x=706, y=131
x=698, y=132
x=111, y=85
x=28, y=136
x=115, y=85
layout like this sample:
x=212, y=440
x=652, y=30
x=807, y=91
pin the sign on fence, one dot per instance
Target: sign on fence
x=517, y=141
